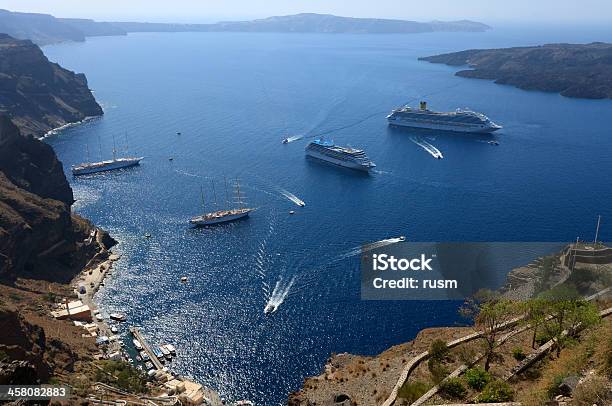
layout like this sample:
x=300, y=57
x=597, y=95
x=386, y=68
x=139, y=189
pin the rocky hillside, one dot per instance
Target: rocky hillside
x=38, y=235
x=583, y=71
x=45, y=29
x=39, y=95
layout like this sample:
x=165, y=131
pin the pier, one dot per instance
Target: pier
x=145, y=346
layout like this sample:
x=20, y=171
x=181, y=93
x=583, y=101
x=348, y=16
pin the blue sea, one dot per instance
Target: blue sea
x=233, y=97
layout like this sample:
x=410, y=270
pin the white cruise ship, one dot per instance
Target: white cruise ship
x=465, y=121
x=342, y=156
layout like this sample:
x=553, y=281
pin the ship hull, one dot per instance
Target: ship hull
x=201, y=222
x=110, y=166
x=473, y=129
x=346, y=164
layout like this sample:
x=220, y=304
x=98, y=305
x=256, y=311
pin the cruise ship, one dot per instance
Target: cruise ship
x=102, y=166
x=342, y=156
x=223, y=216
x=466, y=121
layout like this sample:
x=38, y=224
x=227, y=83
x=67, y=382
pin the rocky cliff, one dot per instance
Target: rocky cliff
x=39, y=95
x=38, y=235
x=573, y=70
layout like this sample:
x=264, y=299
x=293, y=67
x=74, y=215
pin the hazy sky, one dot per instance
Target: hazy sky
x=213, y=10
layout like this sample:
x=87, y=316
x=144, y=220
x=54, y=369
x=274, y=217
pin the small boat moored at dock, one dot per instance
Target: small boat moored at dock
x=137, y=344
x=118, y=317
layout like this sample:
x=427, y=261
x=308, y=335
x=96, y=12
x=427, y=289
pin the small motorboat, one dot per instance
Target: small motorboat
x=291, y=212
x=402, y=238
x=493, y=142
x=118, y=317
x=270, y=308
x=285, y=140
x=147, y=235
x=183, y=279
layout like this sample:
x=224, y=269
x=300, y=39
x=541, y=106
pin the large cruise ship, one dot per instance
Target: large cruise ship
x=342, y=156
x=459, y=121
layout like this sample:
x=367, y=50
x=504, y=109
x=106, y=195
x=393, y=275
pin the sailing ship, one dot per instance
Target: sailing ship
x=87, y=168
x=225, y=215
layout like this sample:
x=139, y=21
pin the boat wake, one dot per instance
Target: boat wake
x=192, y=175
x=294, y=138
x=292, y=197
x=435, y=152
x=369, y=247
x=278, y=296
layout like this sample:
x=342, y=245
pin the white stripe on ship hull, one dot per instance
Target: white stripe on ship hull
x=442, y=127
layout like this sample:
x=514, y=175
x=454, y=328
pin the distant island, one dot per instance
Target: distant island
x=46, y=29
x=573, y=70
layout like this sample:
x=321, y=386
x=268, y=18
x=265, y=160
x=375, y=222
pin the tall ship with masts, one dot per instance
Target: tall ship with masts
x=224, y=215
x=87, y=168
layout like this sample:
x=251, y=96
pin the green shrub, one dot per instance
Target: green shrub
x=477, y=378
x=437, y=370
x=553, y=388
x=496, y=391
x=518, y=354
x=438, y=350
x=453, y=388
x=122, y=375
x=542, y=338
x=411, y=391
x=4, y=356
x=49, y=297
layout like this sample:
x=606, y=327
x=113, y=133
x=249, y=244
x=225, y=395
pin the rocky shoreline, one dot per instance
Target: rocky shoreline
x=572, y=70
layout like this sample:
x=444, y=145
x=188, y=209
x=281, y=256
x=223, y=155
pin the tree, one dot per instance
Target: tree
x=535, y=315
x=492, y=315
x=568, y=312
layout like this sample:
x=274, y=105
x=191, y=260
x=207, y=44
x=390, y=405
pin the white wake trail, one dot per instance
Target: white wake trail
x=294, y=138
x=292, y=197
x=368, y=247
x=435, y=152
x=279, y=294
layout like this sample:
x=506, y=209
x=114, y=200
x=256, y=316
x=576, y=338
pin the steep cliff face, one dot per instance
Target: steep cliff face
x=39, y=95
x=38, y=235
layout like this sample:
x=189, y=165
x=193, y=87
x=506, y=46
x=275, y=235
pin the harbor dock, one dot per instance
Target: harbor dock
x=146, y=348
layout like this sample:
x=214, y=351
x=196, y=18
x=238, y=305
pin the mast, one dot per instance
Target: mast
x=126, y=143
x=597, y=230
x=202, y=197
x=87, y=152
x=238, y=194
x=114, y=149
x=100, y=146
x=212, y=182
x=227, y=200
